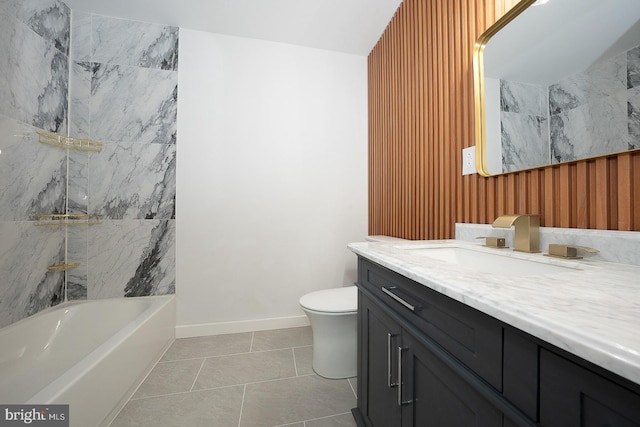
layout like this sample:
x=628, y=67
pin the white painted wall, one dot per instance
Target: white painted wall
x=271, y=179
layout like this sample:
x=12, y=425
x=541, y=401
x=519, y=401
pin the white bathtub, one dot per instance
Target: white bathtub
x=91, y=355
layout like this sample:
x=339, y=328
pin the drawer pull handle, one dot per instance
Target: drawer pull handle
x=388, y=290
x=400, y=401
x=390, y=382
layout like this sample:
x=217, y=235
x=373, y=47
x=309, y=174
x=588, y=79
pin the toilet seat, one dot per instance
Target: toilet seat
x=337, y=300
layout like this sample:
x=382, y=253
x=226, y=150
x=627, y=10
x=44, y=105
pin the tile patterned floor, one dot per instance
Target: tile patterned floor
x=253, y=379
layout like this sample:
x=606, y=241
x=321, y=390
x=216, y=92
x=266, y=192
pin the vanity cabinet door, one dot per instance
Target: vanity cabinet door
x=467, y=334
x=573, y=396
x=436, y=396
x=401, y=382
x=379, y=338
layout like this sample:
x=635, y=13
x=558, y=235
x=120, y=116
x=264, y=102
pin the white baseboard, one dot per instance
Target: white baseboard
x=220, y=328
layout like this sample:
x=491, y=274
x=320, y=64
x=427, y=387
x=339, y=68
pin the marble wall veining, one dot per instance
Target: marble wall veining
x=586, y=114
x=34, y=64
x=124, y=84
x=107, y=79
x=34, y=46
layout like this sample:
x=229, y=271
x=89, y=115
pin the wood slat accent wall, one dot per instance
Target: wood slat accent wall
x=421, y=117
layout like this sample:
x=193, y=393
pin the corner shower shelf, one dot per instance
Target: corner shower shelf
x=63, y=267
x=67, y=219
x=59, y=140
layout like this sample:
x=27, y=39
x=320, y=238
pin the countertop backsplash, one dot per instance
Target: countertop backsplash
x=613, y=246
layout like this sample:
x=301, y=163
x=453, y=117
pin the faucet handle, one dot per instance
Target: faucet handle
x=493, y=242
x=568, y=251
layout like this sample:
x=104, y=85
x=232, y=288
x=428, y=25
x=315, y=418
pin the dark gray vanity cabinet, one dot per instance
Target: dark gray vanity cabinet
x=427, y=360
x=405, y=384
x=424, y=359
x=572, y=396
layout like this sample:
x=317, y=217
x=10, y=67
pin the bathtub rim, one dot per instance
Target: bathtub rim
x=57, y=387
x=71, y=303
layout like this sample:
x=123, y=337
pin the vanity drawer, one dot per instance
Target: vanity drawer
x=469, y=335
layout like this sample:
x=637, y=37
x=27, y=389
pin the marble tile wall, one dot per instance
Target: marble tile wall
x=34, y=52
x=124, y=83
x=34, y=48
x=587, y=114
x=115, y=82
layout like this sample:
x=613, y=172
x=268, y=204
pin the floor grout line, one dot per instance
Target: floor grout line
x=295, y=365
x=203, y=357
x=253, y=334
x=178, y=393
x=355, y=393
x=230, y=354
x=258, y=382
x=244, y=392
x=197, y=375
x=325, y=417
x=223, y=386
x=304, y=422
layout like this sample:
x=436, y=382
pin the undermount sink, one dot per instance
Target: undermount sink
x=483, y=262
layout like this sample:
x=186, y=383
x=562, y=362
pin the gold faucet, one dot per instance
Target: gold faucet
x=527, y=231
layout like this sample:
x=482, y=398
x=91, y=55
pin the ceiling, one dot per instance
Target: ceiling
x=349, y=26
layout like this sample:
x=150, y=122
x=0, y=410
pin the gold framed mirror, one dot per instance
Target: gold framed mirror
x=557, y=81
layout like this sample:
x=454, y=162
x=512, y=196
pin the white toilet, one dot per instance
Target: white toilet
x=333, y=317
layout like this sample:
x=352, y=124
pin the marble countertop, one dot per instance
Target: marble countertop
x=592, y=310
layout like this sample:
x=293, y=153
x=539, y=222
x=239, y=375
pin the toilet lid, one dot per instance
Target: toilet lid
x=338, y=300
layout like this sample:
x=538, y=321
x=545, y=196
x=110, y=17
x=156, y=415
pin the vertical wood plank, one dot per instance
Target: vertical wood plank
x=593, y=196
x=602, y=193
x=535, y=207
x=501, y=201
x=432, y=94
x=491, y=202
x=523, y=182
x=548, y=217
x=582, y=195
x=564, y=190
x=635, y=188
x=625, y=195
x=613, y=200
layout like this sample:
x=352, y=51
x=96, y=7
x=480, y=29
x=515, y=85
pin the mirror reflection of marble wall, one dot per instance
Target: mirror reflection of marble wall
x=587, y=114
x=524, y=125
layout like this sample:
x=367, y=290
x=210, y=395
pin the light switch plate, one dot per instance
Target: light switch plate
x=469, y=160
